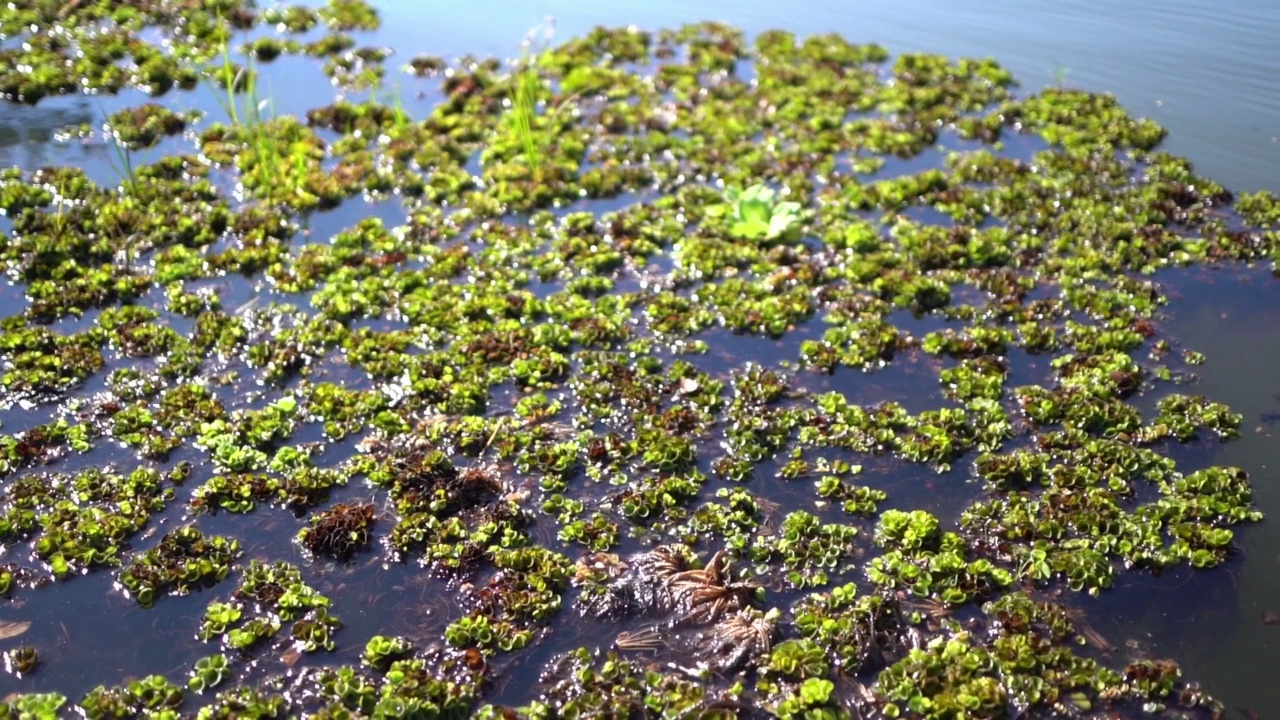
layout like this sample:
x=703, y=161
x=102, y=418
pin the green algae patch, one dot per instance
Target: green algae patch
x=670, y=335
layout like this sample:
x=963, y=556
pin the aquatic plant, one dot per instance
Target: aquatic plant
x=143, y=126
x=349, y=15
x=808, y=548
x=208, y=672
x=217, y=617
x=184, y=560
x=21, y=660
x=340, y=531
x=756, y=213
x=580, y=683
x=277, y=157
x=33, y=705
x=523, y=114
x=153, y=695
x=381, y=651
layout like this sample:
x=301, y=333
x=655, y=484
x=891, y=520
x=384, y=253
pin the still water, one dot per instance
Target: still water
x=1207, y=73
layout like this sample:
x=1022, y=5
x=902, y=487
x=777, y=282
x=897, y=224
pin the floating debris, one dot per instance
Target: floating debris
x=13, y=629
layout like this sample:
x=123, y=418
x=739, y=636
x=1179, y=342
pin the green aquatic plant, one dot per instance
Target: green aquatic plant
x=184, y=560
x=809, y=549
x=102, y=702
x=853, y=499
x=756, y=213
x=582, y=682
x=349, y=15
x=245, y=701
x=21, y=660
x=294, y=19
x=522, y=117
x=799, y=658
x=814, y=699
x=381, y=650
x=217, y=617
x=36, y=706
x=155, y=693
x=268, y=597
x=914, y=530
x=314, y=631
x=143, y=126
x=209, y=672
x=277, y=157
x=252, y=632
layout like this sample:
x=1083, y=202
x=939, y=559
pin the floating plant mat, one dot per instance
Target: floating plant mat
x=662, y=373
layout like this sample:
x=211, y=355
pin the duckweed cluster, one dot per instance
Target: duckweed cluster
x=620, y=362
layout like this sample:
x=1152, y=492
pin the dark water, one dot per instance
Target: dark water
x=1205, y=72
x=1234, y=317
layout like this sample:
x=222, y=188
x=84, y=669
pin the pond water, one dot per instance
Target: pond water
x=1207, y=76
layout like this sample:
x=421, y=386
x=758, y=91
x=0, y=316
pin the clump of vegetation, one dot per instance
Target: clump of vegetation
x=757, y=214
x=143, y=126
x=184, y=560
x=340, y=531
